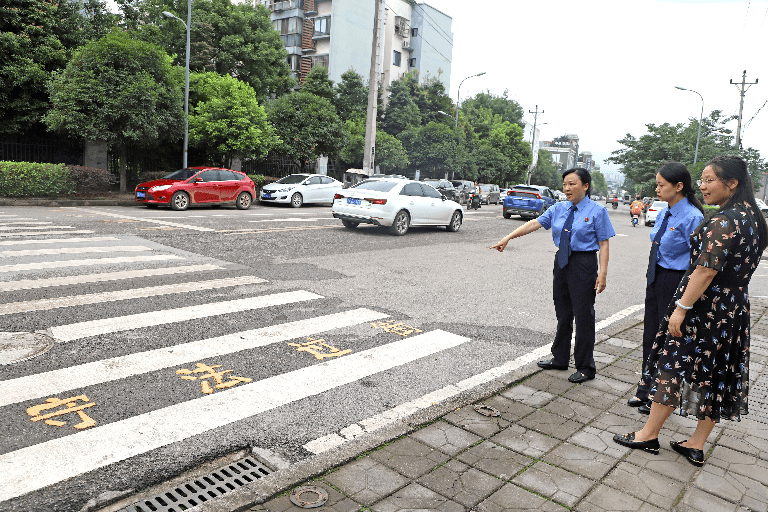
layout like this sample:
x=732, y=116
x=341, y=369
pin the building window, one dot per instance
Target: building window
x=412, y=62
x=402, y=26
x=289, y=26
x=322, y=26
x=414, y=32
x=294, y=61
x=396, y=58
x=320, y=60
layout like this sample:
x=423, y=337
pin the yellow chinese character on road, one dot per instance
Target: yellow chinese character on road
x=208, y=373
x=71, y=406
x=397, y=328
x=317, y=348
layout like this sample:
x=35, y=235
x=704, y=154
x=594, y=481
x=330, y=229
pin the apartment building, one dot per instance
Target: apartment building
x=565, y=149
x=338, y=34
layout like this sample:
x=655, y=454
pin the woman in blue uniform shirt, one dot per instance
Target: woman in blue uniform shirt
x=670, y=255
x=580, y=227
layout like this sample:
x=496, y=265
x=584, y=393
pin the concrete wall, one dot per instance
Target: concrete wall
x=432, y=48
x=351, y=37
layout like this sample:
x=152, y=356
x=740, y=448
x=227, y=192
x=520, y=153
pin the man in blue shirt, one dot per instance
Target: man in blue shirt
x=580, y=228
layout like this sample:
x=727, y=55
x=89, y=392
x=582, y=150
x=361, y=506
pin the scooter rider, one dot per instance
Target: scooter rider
x=636, y=208
x=615, y=202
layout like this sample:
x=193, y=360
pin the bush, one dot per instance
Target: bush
x=154, y=175
x=90, y=179
x=260, y=180
x=26, y=179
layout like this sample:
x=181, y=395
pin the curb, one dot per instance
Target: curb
x=102, y=201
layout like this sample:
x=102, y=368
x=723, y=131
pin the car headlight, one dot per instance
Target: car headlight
x=158, y=188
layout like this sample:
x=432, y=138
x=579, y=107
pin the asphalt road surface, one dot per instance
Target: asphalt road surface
x=159, y=340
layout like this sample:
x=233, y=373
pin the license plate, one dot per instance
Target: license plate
x=352, y=200
x=267, y=196
x=140, y=195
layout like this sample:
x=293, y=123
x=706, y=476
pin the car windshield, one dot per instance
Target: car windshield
x=485, y=188
x=525, y=193
x=293, y=179
x=377, y=185
x=182, y=174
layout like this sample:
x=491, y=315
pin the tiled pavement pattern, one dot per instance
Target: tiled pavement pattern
x=552, y=450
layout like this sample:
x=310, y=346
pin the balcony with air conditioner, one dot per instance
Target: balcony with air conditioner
x=402, y=26
x=407, y=45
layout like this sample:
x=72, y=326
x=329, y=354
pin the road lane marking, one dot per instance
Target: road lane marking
x=59, y=240
x=72, y=250
x=19, y=221
x=294, y=219
x=86, y=262
x=97, y=447
x=31, y=284
x=80, y=330
x=145, y=219
x=135, y=293
x=9, y=228
x=38, y=233
x=275, y=230
x=390, y=416
x=107, y=370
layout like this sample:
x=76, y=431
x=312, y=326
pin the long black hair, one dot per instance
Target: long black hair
x=675, y=172
x=583, y=175
x=728, y=168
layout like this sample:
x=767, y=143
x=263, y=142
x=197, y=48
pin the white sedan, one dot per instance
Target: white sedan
x=298, y=189
x=396, y=204
x=653, y=211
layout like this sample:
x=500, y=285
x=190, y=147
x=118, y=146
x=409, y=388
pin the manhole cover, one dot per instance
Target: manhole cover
x=487, y=410
x=19, y=346
x=308, y=496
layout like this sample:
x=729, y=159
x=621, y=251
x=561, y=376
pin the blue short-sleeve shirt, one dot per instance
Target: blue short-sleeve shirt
x=675, y=243
x=591, y=224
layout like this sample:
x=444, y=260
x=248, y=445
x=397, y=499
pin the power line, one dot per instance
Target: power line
x=745, y=17
x=435, y=26
x=422, y=37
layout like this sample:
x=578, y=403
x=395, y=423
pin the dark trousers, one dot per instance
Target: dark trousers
x=573, y=291
x=658, y=295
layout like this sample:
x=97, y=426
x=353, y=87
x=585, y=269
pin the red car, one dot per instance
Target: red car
x=198, y=185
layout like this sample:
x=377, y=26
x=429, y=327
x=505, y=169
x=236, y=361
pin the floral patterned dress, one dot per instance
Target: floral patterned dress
x=706, y=370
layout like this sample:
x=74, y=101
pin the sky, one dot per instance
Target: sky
x=602, y=69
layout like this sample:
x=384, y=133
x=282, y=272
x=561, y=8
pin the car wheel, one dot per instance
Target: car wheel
x=455, y=222
x=244, y=201
x=297, y=200
x=179, y=201
x=399, y=226
x=507, y=215
x=349, y=224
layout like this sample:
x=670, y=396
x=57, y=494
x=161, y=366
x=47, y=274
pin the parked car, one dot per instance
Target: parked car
x=763, y=207
x=398, y=176
x=489, y=193
x=396, y=204
x=559, y=196
x=197, y=186
x=297, y=189
x=627, y=199
x=463, y=189
x=528, y=201
x=445, y=187
x=653, y=211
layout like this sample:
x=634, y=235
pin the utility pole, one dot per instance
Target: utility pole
x=533, y=138
x=742, y=91
x=369, y=155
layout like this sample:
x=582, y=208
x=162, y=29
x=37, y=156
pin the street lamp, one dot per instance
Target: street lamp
x=186, y=78
x=701, y=116
x=458, y=96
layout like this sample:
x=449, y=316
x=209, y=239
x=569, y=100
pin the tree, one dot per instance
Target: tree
x=389, y=150
x=430, y=148
x=509, y=110
x=401, y=112
x=230, y=39
x=351, y=96
x=599, y=186
x=307, y=126
x=118, y=90
x=226, y=119
x=546, y=172
x=318, y=83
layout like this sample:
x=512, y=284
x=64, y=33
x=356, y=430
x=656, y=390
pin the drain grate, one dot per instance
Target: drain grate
x=199, y=490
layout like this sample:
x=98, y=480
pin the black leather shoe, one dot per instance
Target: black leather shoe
x=551, y=365
x=635, y=402
x=694, y=456
x=628, y=440
x=644, y=409
x=578, y=378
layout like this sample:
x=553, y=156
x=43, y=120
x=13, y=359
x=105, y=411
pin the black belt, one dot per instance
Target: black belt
x=583, y=252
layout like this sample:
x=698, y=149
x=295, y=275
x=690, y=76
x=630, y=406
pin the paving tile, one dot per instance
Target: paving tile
x=551, y=424
x=645, y=484
x=512, y=498
x=525, y=441
x=700, y=501
x=621, y=408
x=337, y=502
x=608, y=385
x=604, y=499
x=555, y=483
x=544, y=381
x=446, y=437
x=603, y=357
x=629, y=364
x=618, y=424
x=469, y=419
x=667, y=463
x=580, y=460
x=733, y=487
x=461, y=483
x=510, y=410
x=528, y=395
x=622, y=374
x=365, y=480
x=572, y=410
x=621, y=341
x=600, y=441
x=747, y=426
x=590, y=396
x=415, y=497
x=740, y=463
x=409, y=457
x=495, y=459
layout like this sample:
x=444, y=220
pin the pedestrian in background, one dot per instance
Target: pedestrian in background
x=700, y=359
x=670, y=255
x=580, y=227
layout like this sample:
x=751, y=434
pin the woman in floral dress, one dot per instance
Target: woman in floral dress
x=700, y=359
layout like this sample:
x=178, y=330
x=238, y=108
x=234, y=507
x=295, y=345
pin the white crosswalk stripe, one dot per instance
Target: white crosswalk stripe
x=72, y=250
x=8, y=228
x=70, y=240
x=38, y=233
x=45, y=265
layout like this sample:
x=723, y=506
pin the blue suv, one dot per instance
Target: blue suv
x=528, y=201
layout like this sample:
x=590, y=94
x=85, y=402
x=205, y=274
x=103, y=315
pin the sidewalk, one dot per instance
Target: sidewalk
x=551, y=447
x=115, y=199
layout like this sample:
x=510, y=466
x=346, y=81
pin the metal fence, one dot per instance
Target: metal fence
x=53, y=150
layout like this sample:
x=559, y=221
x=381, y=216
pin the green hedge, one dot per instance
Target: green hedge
x=260, y=180
x=26, y=179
